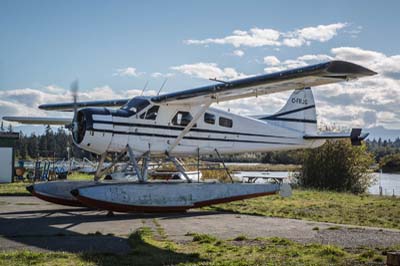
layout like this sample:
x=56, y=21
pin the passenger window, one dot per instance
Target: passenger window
x=182, y=118
x=225, y=122
x=151, y=114
x=209, y=118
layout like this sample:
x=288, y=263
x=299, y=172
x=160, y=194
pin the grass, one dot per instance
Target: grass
x=147, y=250
x=19, y=188
x=323, y=206
x=14, y=189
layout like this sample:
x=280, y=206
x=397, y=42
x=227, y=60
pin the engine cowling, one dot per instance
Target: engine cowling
x=90, y=136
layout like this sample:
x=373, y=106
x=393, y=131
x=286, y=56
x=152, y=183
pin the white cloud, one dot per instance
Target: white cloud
x=25, y=101
x=239, y=53
x=366, y=102
x=208, y=70
x=287, y=64
x=295, y=42
x=127, y=72
x=321, y=33
x=54, y=89
x=275, y=65
x=257, y=37
x=372, y=59
x=271, y=60
x=162, y=75
x=315, y=57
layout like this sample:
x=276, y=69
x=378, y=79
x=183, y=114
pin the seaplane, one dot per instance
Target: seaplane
x=183, y=124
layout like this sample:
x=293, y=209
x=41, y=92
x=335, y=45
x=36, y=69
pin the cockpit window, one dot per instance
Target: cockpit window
x=151, y=114
x=136, y=105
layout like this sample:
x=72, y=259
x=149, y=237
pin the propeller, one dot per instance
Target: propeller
x=74, y=92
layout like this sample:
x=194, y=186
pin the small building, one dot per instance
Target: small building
x=7, y=154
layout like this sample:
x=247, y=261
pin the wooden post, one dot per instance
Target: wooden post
x=393, y=258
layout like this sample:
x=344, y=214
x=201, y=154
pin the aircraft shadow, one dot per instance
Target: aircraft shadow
x=51, y=230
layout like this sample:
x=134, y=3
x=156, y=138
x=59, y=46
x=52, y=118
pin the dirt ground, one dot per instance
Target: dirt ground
x=29, y=223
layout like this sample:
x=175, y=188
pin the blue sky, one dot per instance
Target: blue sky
x=119, y=45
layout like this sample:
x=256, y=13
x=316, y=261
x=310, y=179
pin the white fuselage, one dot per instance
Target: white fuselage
x=112, y=133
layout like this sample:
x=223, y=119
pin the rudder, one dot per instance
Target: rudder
x=298, y=113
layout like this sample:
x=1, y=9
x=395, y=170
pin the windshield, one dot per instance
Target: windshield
x=136, y=105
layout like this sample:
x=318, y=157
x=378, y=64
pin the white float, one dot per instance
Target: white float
x=167, y=197
x=58, y=192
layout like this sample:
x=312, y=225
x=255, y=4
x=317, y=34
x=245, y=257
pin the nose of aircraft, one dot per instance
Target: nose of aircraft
x=79, y=126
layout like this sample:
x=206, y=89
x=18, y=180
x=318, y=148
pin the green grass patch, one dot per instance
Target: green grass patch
x=333, y=228
x=203, y=238
x=14, y=189
x=240, y=238
x=147, y=250
x=80, y=176
x=323, y=206
x=17, y=258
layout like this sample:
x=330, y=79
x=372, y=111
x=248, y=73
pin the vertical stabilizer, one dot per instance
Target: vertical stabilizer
x=298, y=113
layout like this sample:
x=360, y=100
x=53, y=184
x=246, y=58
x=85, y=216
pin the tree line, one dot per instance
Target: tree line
x=52, y=144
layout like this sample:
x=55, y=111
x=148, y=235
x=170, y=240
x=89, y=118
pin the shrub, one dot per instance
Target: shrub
x=337, y=165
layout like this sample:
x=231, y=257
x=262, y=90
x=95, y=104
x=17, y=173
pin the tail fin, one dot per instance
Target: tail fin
x=298, y=113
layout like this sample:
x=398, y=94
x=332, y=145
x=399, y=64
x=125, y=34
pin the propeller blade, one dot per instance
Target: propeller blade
x=74, y=92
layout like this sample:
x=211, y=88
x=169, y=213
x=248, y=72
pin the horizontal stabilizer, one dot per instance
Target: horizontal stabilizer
x=39, y=120
x=355, y=136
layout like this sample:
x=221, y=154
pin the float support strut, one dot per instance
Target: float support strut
x=146, y=159
x=98, y=173
x=223, y=163
x=135, y=164
x=120, y=157
x=178, y=166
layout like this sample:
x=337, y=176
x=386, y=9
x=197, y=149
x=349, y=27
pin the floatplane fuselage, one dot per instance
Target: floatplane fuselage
x=155, y=128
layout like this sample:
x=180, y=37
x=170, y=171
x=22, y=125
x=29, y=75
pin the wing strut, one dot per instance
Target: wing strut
x=189, y=126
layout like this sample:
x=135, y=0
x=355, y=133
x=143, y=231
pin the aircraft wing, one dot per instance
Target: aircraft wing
x=69, y=106
x=309, y=76
x=39, y=120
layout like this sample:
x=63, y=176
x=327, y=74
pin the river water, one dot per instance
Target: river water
x=390, y=182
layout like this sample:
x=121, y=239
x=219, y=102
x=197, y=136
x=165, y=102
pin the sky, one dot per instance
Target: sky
x=115, y=47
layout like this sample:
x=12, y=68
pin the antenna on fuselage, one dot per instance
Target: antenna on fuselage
x=162, y=86
x=220, y=81
x=144, y=88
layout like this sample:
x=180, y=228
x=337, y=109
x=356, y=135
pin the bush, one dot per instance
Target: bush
x=337, y=165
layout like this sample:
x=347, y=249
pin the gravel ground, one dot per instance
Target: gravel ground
x=29, y=223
